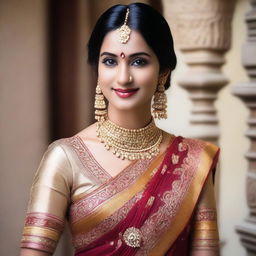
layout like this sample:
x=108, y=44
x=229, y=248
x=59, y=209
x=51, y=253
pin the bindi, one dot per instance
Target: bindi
x=122, y=55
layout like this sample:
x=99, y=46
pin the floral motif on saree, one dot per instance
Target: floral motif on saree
x=83, y=208
x=161, y=212
x=147, y=209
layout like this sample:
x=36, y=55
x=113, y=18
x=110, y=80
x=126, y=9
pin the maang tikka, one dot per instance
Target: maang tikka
x=160, y=100
x=100, y=105
x=124, y=31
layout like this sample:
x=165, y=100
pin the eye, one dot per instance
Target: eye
x=140, y=62
x=109, y=62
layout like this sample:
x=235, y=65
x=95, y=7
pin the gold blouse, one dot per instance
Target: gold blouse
x=66, y=171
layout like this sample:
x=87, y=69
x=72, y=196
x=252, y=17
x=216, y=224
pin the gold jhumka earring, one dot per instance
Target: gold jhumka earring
x=160, y=100
x=100, y=105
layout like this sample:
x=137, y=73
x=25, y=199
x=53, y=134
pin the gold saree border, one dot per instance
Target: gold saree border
x=39, y=231
x=183, y=215
x=206, y=234
x=84, y=195
x=113, y=204
x=210, y=224
x=39, y=243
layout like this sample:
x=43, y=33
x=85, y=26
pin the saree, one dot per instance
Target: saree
x=147, y=209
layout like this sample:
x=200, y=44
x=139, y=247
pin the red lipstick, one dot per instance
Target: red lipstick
x=125, y=93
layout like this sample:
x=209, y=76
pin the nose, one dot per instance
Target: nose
x=123, y=75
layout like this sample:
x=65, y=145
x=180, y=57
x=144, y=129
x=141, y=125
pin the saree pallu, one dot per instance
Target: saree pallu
x=151, y=215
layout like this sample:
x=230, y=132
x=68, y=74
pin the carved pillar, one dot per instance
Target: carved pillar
x=202, y=32
x=247, y=92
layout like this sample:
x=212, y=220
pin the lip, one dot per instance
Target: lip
x=125, y=93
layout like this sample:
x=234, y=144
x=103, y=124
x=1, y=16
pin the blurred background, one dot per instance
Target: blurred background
x=47, y=92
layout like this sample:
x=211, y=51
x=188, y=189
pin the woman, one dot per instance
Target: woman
x=126, y=186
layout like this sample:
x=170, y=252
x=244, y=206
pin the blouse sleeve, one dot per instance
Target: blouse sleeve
x=49, y=199
x=205, y=237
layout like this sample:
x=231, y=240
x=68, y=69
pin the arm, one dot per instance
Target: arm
x=205, y=238
x=49, y=199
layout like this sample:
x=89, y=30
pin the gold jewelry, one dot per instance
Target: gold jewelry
x=124, y=30
x=132, y=237
x=130, y=79
x=100, y=105
x=130, y=143
x=160, y=100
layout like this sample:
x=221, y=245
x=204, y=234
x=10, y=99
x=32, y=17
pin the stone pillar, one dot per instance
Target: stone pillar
x=202, y=32
x=247, y=93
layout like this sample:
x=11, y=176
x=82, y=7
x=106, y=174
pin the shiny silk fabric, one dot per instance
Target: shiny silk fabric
x=156, y=197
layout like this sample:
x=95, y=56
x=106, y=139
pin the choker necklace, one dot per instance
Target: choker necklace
x=130, y=144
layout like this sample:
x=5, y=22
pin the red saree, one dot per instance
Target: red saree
x=152, y=214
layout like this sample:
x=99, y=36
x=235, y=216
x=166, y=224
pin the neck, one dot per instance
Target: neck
x=130, y=119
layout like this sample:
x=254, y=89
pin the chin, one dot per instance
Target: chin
x=132, y=104
x=126, y=108
x=129, y=107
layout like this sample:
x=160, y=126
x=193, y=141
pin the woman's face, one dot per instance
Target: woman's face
x=117, y=62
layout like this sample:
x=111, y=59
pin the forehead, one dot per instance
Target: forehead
x=136, y=43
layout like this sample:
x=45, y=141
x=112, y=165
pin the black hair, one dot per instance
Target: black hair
x=142, y=18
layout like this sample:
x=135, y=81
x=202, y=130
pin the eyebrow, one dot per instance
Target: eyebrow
x=131, y=55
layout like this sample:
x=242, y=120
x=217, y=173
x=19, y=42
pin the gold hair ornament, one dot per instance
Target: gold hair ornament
x=124, y=31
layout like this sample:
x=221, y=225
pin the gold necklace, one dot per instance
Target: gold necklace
x=130, y=144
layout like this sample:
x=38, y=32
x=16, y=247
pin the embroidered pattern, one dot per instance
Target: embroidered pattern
x=84, y=239
x=175, y=159
x=205, y=235
x=132, y=237
x=206, y=214
x=182, y=146
x=164, y=169
x=44, y=220
x=150, y=201
x=85, y=206
x=41, y=232
x=88, y=161
x=159, y=221
x=39, y=243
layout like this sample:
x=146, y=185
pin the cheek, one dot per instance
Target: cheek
x=148, y=79
x=105, y=75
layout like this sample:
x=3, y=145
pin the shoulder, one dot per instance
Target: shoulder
x=193, y=142
x=62, y=150
x=57, y=150
x=200, y=144
x=55, y=167
x=205, y=150
x=57, y=157
x=203, y=153
x=198, y=147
